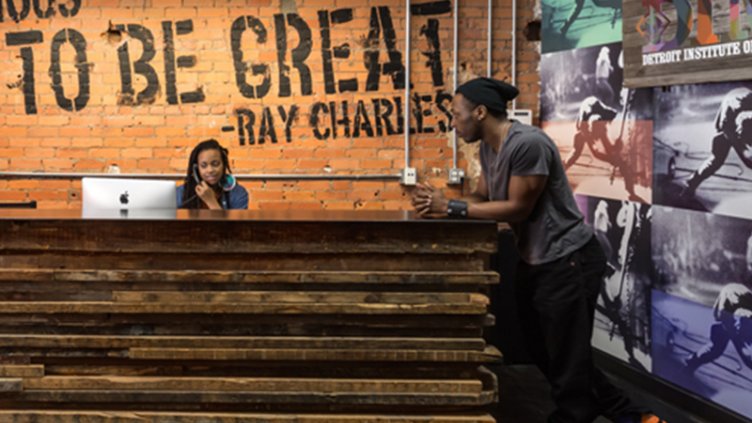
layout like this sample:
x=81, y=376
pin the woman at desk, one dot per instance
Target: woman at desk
x=209, y=183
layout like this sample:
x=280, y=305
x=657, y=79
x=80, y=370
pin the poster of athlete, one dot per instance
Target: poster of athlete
x=571, y=24
x=702, y=304
x=703, y=148
x=603, y=131
x=622, y=316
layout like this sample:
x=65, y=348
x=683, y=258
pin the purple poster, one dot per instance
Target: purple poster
x=706, y=349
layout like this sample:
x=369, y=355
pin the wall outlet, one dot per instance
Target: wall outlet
x=522, y=115
x=456, y=176
x=409, y=176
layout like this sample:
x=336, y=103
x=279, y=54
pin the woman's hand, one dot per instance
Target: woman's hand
x=207, y=195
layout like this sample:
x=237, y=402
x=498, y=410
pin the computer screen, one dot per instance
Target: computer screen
x=102, y=196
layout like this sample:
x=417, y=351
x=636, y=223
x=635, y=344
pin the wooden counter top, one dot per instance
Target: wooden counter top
x=380, y=216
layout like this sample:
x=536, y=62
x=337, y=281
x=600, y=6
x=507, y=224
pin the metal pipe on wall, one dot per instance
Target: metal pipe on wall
x=455, y=74
x=514, y=49
x=173, y=176
x=408, y=14
x=489, y=40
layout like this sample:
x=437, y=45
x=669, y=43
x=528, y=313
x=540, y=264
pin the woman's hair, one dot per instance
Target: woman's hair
x=190, y=200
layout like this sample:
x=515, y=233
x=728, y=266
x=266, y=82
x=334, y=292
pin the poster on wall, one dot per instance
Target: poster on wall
x=604, y=132
x=703, y=148
x=670, y=42
x=622, y=322
x=695, y=254
x=692, y=348
x=702, y=304
x=571, y=24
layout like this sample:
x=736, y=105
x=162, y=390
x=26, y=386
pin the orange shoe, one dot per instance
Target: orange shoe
x=640, y=418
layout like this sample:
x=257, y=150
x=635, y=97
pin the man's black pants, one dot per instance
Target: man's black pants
x=556, y=306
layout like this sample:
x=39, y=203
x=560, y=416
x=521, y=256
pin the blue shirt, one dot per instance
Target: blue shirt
x=235, y=199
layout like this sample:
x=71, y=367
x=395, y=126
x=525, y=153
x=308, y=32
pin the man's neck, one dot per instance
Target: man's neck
x=496, y=132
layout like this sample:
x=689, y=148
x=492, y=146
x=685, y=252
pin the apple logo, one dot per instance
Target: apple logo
x=124, y=198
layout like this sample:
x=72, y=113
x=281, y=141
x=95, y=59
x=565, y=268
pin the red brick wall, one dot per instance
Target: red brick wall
x=52, y=122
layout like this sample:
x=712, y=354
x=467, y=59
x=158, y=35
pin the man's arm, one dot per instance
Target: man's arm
x=480, y=194
x=524, y=192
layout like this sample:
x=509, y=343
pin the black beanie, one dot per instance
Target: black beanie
x=492, y=93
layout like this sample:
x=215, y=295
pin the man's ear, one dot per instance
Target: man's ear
x=481, y=112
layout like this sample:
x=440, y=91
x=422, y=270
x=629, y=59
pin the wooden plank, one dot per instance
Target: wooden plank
x=357, y=325
x=409, y=277
x=298, y=297
x=364, y=238
x=166, y=260
x=265, y=354
x=113, y=416
x=250, y=399
x=67, y=366
x=104, y=307
x=20, y=371
x=489, y=355
x=10, y=385
x=257, y=384
x=229, y=342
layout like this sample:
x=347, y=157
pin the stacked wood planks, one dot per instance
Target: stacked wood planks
x=244, y=316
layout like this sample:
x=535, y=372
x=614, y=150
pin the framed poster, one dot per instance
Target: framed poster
x=668, y=42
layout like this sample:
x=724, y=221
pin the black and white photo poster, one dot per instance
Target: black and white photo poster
x=703, y=148
x=622, y=317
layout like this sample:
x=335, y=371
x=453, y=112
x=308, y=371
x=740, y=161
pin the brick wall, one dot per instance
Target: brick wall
x=86, y=84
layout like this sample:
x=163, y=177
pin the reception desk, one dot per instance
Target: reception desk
x=214, y=316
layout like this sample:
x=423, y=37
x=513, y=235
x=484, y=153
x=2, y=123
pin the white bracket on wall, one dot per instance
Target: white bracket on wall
x=456, y=176
x=409, y=176
x=522, y=115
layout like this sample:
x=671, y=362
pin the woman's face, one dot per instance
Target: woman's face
x=210, y=166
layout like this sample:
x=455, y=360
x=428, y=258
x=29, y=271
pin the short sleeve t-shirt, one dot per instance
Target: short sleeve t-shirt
x=555, y=227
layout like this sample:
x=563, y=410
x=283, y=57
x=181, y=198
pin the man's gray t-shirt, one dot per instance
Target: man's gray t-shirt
x=555, y=227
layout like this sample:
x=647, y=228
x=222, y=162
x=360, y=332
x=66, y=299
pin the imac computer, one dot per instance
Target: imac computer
x=133, y=198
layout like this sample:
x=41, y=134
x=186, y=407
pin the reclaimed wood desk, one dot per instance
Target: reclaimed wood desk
x=325, y=317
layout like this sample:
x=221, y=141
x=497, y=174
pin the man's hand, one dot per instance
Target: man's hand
x=429, y=201
x=207, y=195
